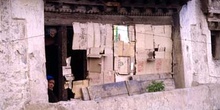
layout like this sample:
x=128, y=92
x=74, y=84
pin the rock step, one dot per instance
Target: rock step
x=127, y=88
x=146, y=79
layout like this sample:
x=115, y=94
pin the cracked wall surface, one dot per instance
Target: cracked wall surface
x=199, y=65
x=22, y=73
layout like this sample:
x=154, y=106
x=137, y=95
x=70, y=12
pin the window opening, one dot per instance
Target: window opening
x=79, y=64
x=121, y=33
x=215, y=41
x=123, y=51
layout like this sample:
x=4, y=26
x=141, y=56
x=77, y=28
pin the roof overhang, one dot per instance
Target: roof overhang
x=116, y=7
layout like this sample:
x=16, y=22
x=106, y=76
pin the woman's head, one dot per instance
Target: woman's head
x=53, y=32
x=51, y=82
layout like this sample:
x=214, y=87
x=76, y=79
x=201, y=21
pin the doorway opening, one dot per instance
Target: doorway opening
x=78, y=57
x=79, y=64
x=52, y=57
x=58, y=47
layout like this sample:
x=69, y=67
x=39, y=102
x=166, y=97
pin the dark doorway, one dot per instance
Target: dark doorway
x=215, y=41
x=78, y=57
x=79, y=64
x=58, y=48
x=52, y=55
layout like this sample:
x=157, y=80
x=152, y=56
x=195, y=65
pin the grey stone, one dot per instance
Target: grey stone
x=145, y=77
x=134, y=87
x=107, y=90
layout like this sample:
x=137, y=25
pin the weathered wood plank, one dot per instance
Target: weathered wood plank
x=68, y=19
x=63, y=44
x=77, y=86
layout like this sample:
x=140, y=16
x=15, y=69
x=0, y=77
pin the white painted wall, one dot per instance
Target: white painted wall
x=22, y=53
x=199, y=65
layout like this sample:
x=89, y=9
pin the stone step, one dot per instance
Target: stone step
x=138, y=85
x=146, y=79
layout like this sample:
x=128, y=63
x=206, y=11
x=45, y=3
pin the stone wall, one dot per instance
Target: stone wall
x=204, y=97
x=22, y=56
x=199, y=66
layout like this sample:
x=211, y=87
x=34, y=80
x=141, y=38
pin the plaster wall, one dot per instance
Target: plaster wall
x=22, y=56
x=199, y=66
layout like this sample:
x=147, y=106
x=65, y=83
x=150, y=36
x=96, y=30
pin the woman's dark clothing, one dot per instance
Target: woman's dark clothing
x=52, y=97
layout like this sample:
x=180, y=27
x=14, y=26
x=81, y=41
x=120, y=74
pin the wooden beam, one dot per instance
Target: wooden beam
x=216, y=11
x=63, y=31
x=67, y=19
x=214, y=19
x=75, y=2
x=62, y=93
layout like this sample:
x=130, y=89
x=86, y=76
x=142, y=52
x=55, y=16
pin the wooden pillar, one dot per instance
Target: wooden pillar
x=62, y=54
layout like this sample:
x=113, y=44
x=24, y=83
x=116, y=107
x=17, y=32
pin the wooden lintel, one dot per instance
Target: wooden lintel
x=214, y=19
x=214, y=26
x=67, y=19
x=215, y=11
x=75, y=2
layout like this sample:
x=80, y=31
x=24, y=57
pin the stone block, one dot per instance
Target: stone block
x=85, y=94
x=165, y=75
x=168, y=83
x=144, y=85
x=107, y=90
x=214, y=94
x=133, y=87
x=146, y=77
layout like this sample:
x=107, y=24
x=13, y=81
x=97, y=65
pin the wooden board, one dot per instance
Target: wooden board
x=122, y=65
x=118, y=48
x=109, y=77
x=131, y=33
x=94, y=65
x=80, y=36
x=90, y=31
x=77, y=85
x=108, y=62
x=95, y=78
x=97, y=34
